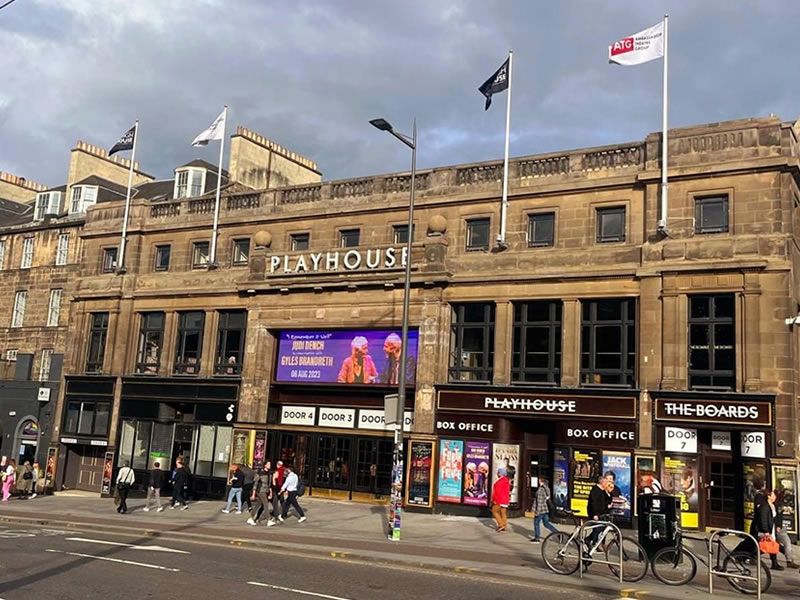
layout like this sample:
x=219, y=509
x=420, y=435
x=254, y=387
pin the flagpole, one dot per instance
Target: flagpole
x=662, y=223
x=213, y=257
x=121, y=260
x=501, y=239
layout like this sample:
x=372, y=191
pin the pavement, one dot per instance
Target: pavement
x=352, y=533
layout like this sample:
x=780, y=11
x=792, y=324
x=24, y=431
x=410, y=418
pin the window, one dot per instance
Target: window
x=537, y=342
x=44, y=364
x=98, y=331
x=611, y=224
x=27, y=253
x=151, y=341
x=711, y=214
x=83, y=196
x=230, y=342
x=608, y=342
x=300, y=241
x=213, y=444
x=54, y=309
x=541, y=229
x=199, y=255
x=478, y=234
x=189, y=344
x=62, y=249
x=712, y=342
x=47, y=203
x=109, y=260
x=162, y=257
x=349, y=238
x=190, y=183
x=18, y=315
x=472, y=342
x=2, y=253
x=86, y=418
x=11, y=355
x=241, y=251
x=400, y=233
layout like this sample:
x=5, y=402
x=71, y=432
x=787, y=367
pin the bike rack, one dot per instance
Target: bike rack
x=711, y=571
x=582, y=541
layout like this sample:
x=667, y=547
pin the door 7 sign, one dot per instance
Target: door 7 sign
x=677, y=439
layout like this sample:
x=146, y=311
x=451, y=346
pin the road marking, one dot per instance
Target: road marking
x=132, y=546
x=116, y=560
x=293, y=590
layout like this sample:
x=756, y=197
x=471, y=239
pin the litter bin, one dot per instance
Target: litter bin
x=659, y=521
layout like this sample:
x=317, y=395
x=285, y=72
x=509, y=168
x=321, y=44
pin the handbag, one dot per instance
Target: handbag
x=767, y=545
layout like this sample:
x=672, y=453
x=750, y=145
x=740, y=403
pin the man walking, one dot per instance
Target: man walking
x=541, y=511
x=289, y=489
x=125, y=479
x=180, y=481
x=247, y=487
x=275, y=489
x=262, y=492
x=154, y=487
x=501, y=497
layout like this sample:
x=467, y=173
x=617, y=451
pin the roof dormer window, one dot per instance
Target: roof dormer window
x=83, y=196
x=47, y=203
x=190, y=183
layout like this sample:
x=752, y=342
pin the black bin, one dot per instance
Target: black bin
x=659, y=521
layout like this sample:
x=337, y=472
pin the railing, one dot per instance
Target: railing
x=602, y=525
x=613, y=158
x=352, y=188
x=543, y=167
x=479, y=174
x=297, y=195
x=402, y=183
x=717, y=535
x=244, y=201
x=201, y=206
x=169, y=209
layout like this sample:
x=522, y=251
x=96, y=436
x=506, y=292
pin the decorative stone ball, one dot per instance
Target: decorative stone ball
x=437, y=225
x=263, y=239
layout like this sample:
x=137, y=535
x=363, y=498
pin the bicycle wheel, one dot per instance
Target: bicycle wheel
x=634, y=559
x=560, y=554
x=744, y=563
x=674, y=566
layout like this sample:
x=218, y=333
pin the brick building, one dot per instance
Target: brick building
x=592, y=343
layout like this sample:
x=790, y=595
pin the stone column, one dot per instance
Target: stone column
x=168, y=349
x=751, y=328
x=503, y=329
x=571, y=343
x=208, y=351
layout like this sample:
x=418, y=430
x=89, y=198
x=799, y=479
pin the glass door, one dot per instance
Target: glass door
x=721, y=494
x=374, y=466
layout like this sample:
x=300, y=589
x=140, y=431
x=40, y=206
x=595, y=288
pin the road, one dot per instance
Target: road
x=86, y=565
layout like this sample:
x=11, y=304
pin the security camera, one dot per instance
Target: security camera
x=789, y=321
x=781, y=443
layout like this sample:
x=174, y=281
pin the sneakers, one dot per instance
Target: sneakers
x=271, y=522
x=238, y=512
x=34, y=496
x=172, y=507
x=535, y=541
x=185, y=507
x=161, y=508
x=280, y=518
x=301, y=519
x=250, y=521
x=226, y=511
x=146, y=509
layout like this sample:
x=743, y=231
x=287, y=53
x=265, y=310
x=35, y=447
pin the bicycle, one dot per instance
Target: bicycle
x=562, y=551
x=678, y=565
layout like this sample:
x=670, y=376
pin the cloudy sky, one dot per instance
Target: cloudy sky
x=310, y=74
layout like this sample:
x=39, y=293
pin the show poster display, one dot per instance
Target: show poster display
x=259, y=450
x=755, y=478
x=561, y=477
x=451, y=458
x=369, y=356
x=420, y=471
x=108, y=474
x=784, y=480
x=618, y=464
x=477, y=458
x=506, y=456
x=586, y=465
x=679, y=477
x=646, y=478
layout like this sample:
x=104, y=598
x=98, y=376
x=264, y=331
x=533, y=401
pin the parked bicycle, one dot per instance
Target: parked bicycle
x=562, y=551
x=678, y=565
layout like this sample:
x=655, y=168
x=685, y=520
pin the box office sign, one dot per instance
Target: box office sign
x=467, y=425
x=605, y=435
x=540, y=405
x=714, y=411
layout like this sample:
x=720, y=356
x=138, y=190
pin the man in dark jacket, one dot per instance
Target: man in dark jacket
x=262, y=493
x=180, y=482
x=154, y=487
x=598, y=506
x=247, y=488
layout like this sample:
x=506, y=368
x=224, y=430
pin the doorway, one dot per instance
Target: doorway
x=720, y=493
x=374, y=466
x=84, y=468
x=536, y=469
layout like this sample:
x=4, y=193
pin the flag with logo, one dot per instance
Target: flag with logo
x=125, y=142
x=638, y=48
x=495, y=84
x=214, y=132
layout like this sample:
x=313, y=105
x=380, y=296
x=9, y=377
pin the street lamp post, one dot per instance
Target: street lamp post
x=397, y=470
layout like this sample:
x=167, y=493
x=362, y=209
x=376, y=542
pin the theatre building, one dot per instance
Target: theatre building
x=591, y=342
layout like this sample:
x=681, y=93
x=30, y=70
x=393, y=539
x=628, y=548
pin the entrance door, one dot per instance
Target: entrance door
x=84, y=468
x=720, y=488
x=333, y=462
x=374, y=466
x=536, y=470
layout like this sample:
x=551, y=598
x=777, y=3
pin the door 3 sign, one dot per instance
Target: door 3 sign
x=677, y=439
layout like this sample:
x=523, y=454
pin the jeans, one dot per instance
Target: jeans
x=786, y=544
x=235, y=493
x=542, y=519
x=247, y=493
x=291, y=500
x=260, y=506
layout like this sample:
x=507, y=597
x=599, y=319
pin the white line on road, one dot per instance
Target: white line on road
x=132, y=546
x=116, y=560
x=303, y=592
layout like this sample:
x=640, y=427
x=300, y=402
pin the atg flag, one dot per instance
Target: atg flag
x=214, y=132
x=125, y=142
x=495, y=84
x=638, y=48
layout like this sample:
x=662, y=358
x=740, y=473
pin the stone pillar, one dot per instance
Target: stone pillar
x=503, y=330
x=168, y=349
x=121, y=338
x=431, y=361
x=256, y=368
x=208, y=350
x=751, y=328
x=674, y=360
x=649, y=357
x=571, y=343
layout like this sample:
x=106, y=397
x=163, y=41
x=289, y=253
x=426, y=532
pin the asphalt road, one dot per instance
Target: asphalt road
x=86, y=565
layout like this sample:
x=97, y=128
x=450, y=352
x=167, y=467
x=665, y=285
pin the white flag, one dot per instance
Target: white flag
x=638, y=48
x=215, y=132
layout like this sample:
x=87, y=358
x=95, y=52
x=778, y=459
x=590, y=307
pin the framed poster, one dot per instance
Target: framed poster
x=506, y=456
x=646, y=479
x=259, y=449
x=618, y=466
x=50, y=470
x=419, y=489
x=240, y=453
x=679, y=476
x=585, y=467
x=108, y=473
x=476, y=473
x=755, y=478
x=561, y=477
x=784, y=481
x=451, y=458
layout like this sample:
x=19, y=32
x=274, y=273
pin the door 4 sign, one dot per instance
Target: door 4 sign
x=677, y=439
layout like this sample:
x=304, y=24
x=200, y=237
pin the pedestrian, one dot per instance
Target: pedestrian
x=247, y=488
x=501, y=497
x=154, y=487
x=780, y=531
x=278, y=475
x=125, y=479
x=289, y=489
x=180, y=482
x=541, y=511
x=262, y=493
x=765, y=526
x=36, y=470
x=236, y=481
x=9, y=478
x=598, y=506
x=26, y=488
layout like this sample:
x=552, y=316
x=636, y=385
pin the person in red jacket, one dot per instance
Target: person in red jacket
x=501, y=496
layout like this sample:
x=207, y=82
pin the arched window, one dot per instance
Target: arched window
x=27, y=439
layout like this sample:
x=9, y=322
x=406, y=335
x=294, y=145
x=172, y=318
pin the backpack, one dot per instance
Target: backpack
x=301, y=487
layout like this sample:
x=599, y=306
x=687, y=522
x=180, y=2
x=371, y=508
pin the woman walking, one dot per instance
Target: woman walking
x=9, y=479
x=765, y=527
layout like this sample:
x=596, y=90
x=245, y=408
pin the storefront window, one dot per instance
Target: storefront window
x=205, y=450
x=472, y=342
x=222, y=451
x=97, y=342
x=537, y=342
x=86, y=418
x=189, y=345
x=151, y=339
x=213, y=450
x=712, y=342
x=608, y=342
x=127, y=434
x=230, y=342
x=141, y=445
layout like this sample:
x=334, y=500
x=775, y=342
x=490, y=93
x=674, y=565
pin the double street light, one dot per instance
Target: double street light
x=397, y=483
